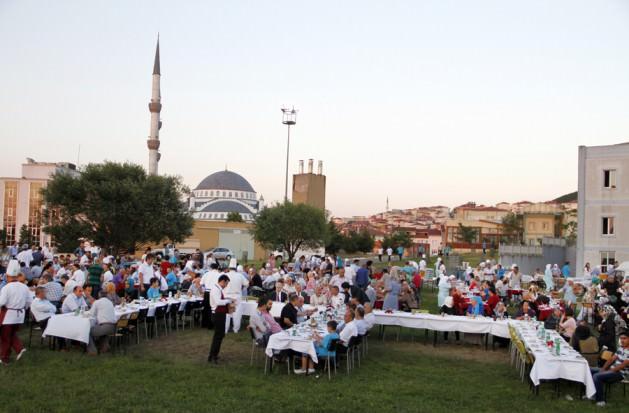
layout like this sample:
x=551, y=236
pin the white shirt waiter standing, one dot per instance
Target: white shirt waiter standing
x=15, y=298
x=234, y=291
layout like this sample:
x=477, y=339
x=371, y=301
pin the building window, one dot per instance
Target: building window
x=607, y=258
x=211, y=193
x=545, y=226
x=609, y=178
x=10, y=205
x=230, y=194
x=223, y=194
x=608, y=225
x=531, y=226
x=35, y=203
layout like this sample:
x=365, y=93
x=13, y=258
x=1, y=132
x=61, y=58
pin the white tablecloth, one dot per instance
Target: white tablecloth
x=478, y=325
x=69, y=326
x=569, y=365
x=284, y=341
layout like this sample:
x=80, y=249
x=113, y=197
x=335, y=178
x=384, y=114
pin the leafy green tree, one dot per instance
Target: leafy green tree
x=335, y=239
x=364, y=241
x=513, y=227
x=117, y=206
x=291, y=227
x=3, y=237
x=234, y=217
x=467, y=234
x=25, y=235
x=570, y=226
x=396, y=239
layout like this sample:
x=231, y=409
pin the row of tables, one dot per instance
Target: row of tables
x=77, y=326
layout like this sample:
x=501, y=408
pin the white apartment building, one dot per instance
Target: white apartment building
x=21, y=200
x=603, y=206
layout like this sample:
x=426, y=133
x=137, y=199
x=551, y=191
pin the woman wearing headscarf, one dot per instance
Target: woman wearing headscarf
x=444, y=290
x=607, y=328
x=392, y=289
x=556, y=271
x=548, y=278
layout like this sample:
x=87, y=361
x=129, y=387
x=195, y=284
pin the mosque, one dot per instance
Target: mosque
x=224, y=192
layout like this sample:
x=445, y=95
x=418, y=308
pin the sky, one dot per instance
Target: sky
x=431, y=102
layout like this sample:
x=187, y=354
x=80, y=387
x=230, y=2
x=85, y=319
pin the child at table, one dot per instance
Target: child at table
x=321, y=347
x=153, y=291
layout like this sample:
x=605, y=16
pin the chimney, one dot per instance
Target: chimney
x=301, y=166
x=320, y=168
x=310, y=162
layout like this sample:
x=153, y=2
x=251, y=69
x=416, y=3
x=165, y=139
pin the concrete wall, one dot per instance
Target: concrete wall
x=529, y=258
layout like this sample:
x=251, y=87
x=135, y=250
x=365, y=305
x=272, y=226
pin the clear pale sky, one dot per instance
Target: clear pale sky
x=428, y=102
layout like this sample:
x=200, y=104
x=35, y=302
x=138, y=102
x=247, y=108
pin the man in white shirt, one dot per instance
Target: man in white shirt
x=349, y=330
x=41, y=308
x=389, y=253
x=104, y=315
x=78, y=275
x=219, y=303
x=15, y=298
x=145, y=273
x=209, y=280
x=350, y=273
x=336, y=298
x=359, y=321
x=68, y=287
x=340, y=278
x=234, y=291
x=74, y=301
x=107, y=276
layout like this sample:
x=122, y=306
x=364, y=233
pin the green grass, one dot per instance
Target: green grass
x=171, y=374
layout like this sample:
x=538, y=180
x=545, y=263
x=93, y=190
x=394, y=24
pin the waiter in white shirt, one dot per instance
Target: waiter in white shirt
x=234, y=291
x=209, y=280
x=219, y=303
x=104, y=317
x=15, y=298
x=145, y=273
x=78, y=275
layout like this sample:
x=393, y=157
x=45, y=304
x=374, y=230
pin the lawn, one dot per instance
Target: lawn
x=171, y=374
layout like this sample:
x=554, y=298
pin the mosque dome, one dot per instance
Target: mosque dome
x=225, y=180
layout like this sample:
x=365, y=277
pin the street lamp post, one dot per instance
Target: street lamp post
x=289, y=118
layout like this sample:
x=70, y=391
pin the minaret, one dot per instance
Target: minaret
x=155, y=107
x=387, y=203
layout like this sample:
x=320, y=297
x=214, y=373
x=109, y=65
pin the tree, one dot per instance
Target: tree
x=25, y=235
x=364, y=241
x=117, y=206
x=291, y=227
x=569, y=226
x=467, y=234
x=396, y=239
x=513, y=227
x=234, y=217
x=335, y=239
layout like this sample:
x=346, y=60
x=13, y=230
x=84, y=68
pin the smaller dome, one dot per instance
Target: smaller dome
x=226, y=206
x=226, y=180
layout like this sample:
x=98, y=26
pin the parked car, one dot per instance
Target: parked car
x=220, y=253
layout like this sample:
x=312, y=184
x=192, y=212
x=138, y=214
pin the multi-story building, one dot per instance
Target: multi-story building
x=22, y=202
x=603, y=205
x=542, y=220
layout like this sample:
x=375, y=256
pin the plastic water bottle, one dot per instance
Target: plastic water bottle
x=558, y=347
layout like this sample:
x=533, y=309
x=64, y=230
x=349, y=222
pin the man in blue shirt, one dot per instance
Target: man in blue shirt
x=565, y=270
x=321, y=347
x=171, y=280
x=362, y=276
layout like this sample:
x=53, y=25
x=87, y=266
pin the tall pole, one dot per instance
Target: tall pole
x=287, y=152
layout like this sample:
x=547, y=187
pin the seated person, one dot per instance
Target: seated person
x=613, y=370
x=321, y=347
x=585, y=343
x=336, y=298
x=448, y=309
x=359, y=320
x=407, y=298
x=274, y=325
x=111, y=293
x=171, y=280
x=258, y=324
x=500, y=311
x=41, y=308
x=74, y=301
x=492, y=300
x=195, y=288
x=288, y=317
x=349, y=330
x=552, y=321
x=525, y=311
x=318, y=298
x=302, y=313
x=475, y=307
x=568, y=324
x=104, y=316
x=153, y=292
x=279, y=295
x=370, y=317
x=87, y=295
